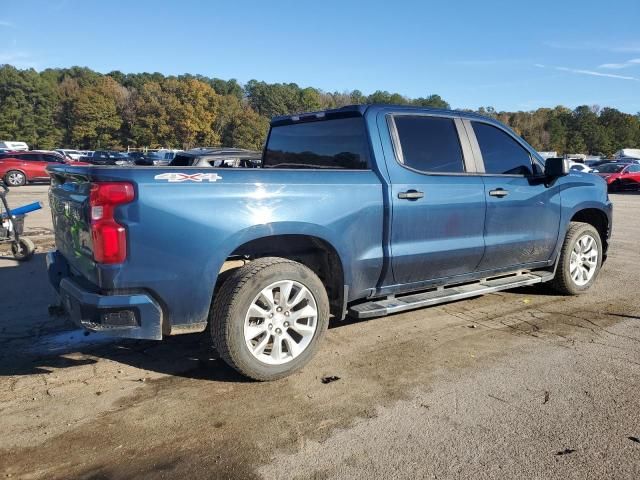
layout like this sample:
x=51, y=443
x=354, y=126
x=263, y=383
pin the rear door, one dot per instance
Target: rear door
x=438, y=207
x=523, y=211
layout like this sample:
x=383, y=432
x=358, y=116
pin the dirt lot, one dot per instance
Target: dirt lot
x=521, y=384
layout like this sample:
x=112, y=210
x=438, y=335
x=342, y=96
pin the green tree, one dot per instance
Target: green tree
x=27, y=106
x=434, y=101
x=95, y=116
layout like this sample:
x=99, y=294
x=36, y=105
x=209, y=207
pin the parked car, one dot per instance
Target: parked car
x=19, y=167
x=219, y=157
x=627, y=153
x=73, y=155
x=167, y=154
x=621, y=176
x=628, y=160
x=580, y=167
x=362, y=210
x=14, y=146
x=157, y=158
x=106, y=157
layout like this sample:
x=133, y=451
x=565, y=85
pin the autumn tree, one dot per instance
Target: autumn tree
x=78, y=107
x=96, y=122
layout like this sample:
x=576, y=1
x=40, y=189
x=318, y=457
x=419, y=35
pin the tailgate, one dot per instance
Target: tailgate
x=69, y=200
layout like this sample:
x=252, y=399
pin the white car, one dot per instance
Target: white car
x=581, y=167
x=14, y=146
x=72, y=154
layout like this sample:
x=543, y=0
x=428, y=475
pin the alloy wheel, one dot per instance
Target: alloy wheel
x=281, y=322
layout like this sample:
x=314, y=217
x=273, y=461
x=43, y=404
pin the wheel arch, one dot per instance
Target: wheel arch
x=9, y=170
x=594, y=217
x=598, y=219
x=313, y=251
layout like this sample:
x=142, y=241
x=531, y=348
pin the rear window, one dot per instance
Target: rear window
x=327, y=144
x=182, y=161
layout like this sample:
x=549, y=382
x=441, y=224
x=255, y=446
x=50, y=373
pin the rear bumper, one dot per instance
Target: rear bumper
x=131, y=315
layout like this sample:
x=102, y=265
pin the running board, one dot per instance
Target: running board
x=389, y=305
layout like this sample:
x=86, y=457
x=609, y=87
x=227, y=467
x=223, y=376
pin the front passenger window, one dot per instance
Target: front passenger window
x=502, y=155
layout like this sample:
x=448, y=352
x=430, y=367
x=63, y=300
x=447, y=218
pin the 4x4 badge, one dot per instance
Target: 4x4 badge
x=188, y=177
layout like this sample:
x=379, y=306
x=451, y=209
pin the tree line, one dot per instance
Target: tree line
x=80, y=108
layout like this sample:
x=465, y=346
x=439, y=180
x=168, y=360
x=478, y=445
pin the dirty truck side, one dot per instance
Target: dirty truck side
x=361, y=211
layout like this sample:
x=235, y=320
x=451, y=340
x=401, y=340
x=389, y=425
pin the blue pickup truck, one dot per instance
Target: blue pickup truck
x=363, y=211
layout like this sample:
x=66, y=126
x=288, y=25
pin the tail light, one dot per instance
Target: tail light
x=109, y=237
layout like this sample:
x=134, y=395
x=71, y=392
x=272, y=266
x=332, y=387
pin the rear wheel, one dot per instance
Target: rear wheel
x=580, y=259
x=15, y=178
x=268, y=318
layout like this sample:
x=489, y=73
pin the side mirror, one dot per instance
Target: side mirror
x=556, y=167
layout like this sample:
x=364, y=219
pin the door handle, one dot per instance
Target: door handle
x=410, y=195
x=499, y=192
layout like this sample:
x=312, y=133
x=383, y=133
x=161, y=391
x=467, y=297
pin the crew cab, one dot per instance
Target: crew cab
x=362, y=211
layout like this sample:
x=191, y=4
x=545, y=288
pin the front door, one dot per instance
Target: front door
x=630, y=177
x=523, y=212
x=437, y=208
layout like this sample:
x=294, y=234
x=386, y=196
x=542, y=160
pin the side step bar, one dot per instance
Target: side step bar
x=411, y=301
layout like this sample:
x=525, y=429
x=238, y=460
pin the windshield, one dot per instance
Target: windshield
x=611, y=167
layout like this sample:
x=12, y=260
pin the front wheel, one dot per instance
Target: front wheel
x=615, y=186
x=268, y=318
x=580, y=259
x=14, y=178
x=23, y=249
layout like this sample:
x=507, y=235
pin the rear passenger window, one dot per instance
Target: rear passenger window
x=502, y=155
x=429, y=144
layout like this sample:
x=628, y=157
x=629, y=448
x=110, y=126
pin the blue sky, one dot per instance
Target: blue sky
x=507, y=54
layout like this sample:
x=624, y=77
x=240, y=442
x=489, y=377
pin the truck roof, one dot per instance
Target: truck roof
x=359, y=110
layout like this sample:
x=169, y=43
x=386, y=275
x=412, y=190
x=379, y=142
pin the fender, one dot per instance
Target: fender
x=256, y=232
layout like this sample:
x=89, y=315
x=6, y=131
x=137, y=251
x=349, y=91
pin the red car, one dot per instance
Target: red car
x=18, y=168
x=620, y=176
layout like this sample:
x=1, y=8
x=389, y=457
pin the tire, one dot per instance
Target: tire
x=23, y=250
x=565, y=280
x=15, y=178
x=233, y=330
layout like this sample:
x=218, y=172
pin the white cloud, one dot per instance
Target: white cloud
x=617, y=66
x=4, y=23
x=588, y=72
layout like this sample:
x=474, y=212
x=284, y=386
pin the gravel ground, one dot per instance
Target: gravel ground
x=519, y=384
